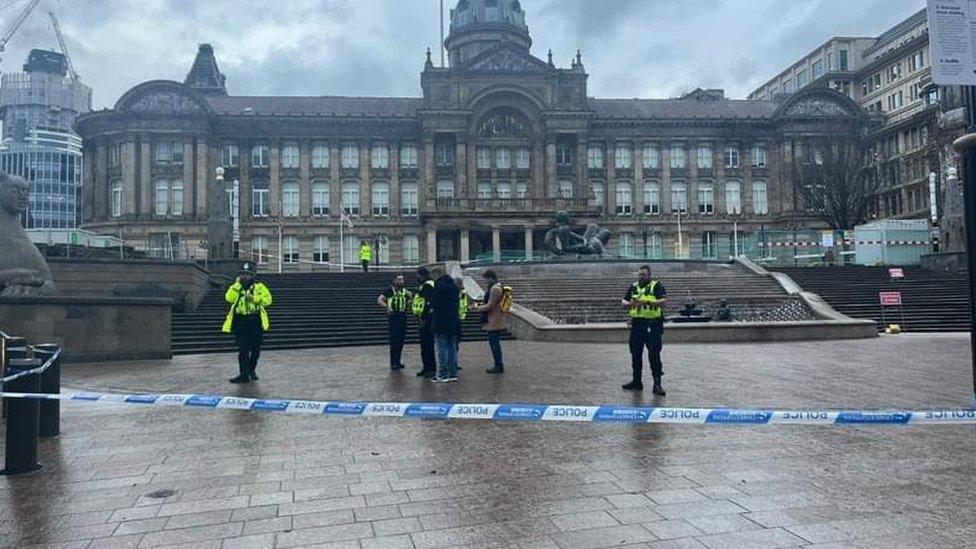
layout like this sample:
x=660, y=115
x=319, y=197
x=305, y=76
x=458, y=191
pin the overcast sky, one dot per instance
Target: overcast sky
x=631, y=48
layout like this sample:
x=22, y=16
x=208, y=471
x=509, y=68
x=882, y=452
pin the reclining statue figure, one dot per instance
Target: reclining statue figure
x=23, y=271
x=562, y=240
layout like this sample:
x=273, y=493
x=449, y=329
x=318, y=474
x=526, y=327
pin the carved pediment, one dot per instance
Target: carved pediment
x=816, y=107
x=162, y=98
x=507, y=60
x=819, y=103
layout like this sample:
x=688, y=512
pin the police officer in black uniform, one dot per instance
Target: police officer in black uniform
x=645, y=300
x=395, y=300
x=425, y=296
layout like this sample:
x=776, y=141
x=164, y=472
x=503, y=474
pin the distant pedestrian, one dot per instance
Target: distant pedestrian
x=645, y=300
x=446, y=326
x=493, y=319
x=396, y=301
x=422, y=307
x=365, y=255
x=248, y=320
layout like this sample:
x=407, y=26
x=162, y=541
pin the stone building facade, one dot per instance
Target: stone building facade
x=476, y=167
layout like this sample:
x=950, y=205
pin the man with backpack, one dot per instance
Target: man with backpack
x=497, y=302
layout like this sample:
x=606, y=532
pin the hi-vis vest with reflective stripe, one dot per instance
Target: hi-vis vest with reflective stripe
x=241, y=305
x=365, y=253
x=645, y=295
x=419, y=304
x=463, y=305
x=397, y=303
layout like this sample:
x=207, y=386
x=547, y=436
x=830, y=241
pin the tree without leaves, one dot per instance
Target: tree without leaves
x=836, y=183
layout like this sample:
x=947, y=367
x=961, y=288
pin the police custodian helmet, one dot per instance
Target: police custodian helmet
x=249, y=267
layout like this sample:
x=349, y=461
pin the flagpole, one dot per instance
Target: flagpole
x=342, y=246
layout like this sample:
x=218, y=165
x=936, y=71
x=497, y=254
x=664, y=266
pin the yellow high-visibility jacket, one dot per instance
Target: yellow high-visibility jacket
x=254, y=300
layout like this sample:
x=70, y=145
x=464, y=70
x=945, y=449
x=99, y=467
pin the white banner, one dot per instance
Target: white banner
x=952, y=30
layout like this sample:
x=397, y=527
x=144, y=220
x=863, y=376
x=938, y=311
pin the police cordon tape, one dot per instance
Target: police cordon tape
x=525, y=412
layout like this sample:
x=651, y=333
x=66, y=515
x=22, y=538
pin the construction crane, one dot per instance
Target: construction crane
x=62, y=45
x=17, y=23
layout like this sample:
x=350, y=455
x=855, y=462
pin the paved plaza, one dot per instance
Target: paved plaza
x=150, y=477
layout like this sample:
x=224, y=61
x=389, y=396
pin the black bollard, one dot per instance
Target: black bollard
x=22, y=419
x=50, y=420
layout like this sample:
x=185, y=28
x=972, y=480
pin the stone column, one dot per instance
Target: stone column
x=274, y=181
x=94, y=200
x=460, y=171
x=304, y=181
x=665, y=153
x=552, y=184
x=638, y=184
x=394, y=171
x=204, y=175
x=335, y=183
x=365, y=198
x=610, y=188
x=496, y=244
x=465, y=246
x=537, y=185
x=130, y=165
x=425, y=187
x=582, y=181
x=145, y=203
x=431, y=244
x=529, y=245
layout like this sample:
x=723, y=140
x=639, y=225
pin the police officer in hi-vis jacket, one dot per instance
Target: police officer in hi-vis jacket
x=645, y=300
x=396, y=301
x=247, y=320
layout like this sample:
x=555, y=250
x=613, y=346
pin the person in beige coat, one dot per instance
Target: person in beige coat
x=493, y=319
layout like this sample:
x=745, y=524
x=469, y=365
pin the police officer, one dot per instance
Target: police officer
x=247, y=320
x=396, y=300
x=422, y=308
x=365, y=255
x=645, y=300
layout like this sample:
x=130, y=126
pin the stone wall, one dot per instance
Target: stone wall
x=184, y=283
x=92, y=329
x=946, y=262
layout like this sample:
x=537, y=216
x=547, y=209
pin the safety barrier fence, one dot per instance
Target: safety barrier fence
x=520, y=412
x=33, y=369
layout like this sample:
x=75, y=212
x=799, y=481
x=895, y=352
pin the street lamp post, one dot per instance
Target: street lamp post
x=966, y=146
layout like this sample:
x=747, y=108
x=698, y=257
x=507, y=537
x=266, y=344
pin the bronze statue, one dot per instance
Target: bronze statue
x=562, y=240
x=23, y=271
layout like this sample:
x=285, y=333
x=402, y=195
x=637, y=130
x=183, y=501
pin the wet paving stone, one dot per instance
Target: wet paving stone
x=146, y=477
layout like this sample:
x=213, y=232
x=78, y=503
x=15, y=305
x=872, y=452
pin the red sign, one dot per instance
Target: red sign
x=890, y=298
x=896, y=272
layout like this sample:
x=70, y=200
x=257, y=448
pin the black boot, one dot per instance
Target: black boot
x=241, y=376
x=658, y=390
x=636, y=384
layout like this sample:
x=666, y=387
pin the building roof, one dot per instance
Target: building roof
x=894, y=33
x=689, y=108
x=316, y=106
x=204, y=76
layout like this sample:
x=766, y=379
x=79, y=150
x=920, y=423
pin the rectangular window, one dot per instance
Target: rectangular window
x=594, y=158
x=320, y=249
x=116, y=198
x=503, y=190
x=379, y=157
x=503, y=159
x=521, y=189
x=818, y=69
x=788, y=86
x=382, y=250
x=381, y=199
x=176, y=192
x=732, y=157
x=678, y=158
x=894, y=72
x=654, y=248
x=162, y=197
x=289, y=249
x=801, y=79
x=483, y=159
x=599, y=197
x=408, y=199
x=622, y=157
x=758, y=157
x=320, y=157
x=705, y=158
x=411, y=249
x=260, y=199
x=522, y=158
x=843, y=60
x=566, y=189
x=230, y=156
x=626, y=245
x=444, y=154
x=733, y=197
x=162, y=153
x=445, y=189
x=652, y=198
x=651, y=159
x=350, y=198
x=564, y=155
x=484, y=190
x=709, y=249
x=289, y=156
x=320, y=199
x=176, y=153
x=408, y=157
x=759, y=202
x=350, y=249
x=706, y=199
x=679, y=197
x=259, y=249
x=259, y=156
x=624, y=199
x=114, y=154
x=289, y=199
x=350, y=157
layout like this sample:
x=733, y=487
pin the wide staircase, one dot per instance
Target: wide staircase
x=932, y=301
x=310, y=310
x=594, y=297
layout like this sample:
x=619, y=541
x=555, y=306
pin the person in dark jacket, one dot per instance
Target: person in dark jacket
x=446, y=325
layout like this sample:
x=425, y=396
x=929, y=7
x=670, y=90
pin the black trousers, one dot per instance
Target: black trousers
x=644, y=333
x=427, y=356
x=397, y=329
x=365, y=265
x=248, y=333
